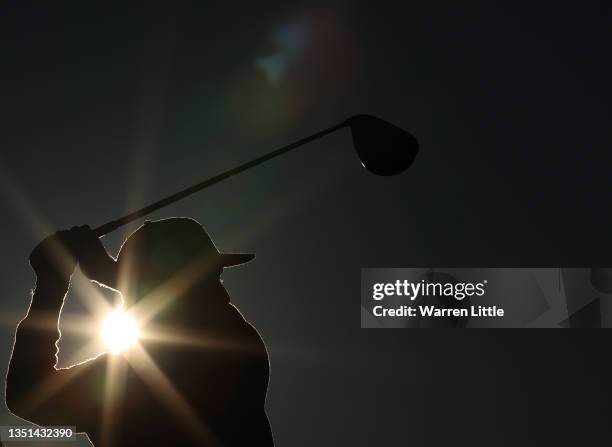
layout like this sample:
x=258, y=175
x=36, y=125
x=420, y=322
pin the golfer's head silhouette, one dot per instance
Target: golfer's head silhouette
x=216, y=380
x=174, y=255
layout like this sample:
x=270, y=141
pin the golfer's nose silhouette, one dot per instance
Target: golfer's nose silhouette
x=201, y=381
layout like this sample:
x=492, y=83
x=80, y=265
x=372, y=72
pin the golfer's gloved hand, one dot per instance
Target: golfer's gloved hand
x=57, y=255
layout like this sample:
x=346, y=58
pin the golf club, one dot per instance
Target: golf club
x=382, y=148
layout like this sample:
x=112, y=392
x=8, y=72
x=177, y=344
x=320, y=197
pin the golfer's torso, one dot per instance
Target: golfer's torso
x=217, y=387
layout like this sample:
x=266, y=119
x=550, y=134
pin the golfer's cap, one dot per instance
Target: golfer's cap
x=178, y=238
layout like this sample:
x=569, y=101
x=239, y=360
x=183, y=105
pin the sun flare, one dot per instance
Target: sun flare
x=119, y=331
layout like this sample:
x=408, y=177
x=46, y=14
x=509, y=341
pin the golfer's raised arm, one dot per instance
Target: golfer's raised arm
x=34, y=353
x=32, y=373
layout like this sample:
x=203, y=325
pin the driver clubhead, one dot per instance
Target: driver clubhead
x=384, y=149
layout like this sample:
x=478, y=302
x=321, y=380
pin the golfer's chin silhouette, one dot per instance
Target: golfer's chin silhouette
x=216, y=376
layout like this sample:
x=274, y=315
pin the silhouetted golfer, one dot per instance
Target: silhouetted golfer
x=173, y=266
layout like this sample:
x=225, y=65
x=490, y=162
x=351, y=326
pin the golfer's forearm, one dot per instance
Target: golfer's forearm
x=34, y=354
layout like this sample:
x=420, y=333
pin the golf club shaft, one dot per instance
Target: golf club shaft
x=114, y=224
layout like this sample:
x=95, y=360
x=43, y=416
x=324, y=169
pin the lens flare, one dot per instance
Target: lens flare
x=119, y=331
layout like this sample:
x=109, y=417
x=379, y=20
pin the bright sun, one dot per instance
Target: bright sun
x=119, y=331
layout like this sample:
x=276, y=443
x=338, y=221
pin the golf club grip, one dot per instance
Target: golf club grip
x=114, y=224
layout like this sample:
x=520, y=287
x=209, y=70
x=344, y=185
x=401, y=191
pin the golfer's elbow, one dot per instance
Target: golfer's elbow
x=32, y=363
x=19, y=401
x=16, y=394
x=23, y=387
x=13, y=397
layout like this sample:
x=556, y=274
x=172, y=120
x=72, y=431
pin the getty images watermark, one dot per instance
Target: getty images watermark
x=485, y=298
x=417, y=295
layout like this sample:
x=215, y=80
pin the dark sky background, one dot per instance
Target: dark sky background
x=103, y=109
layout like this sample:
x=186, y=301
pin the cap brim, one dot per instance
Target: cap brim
x=232, y=259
